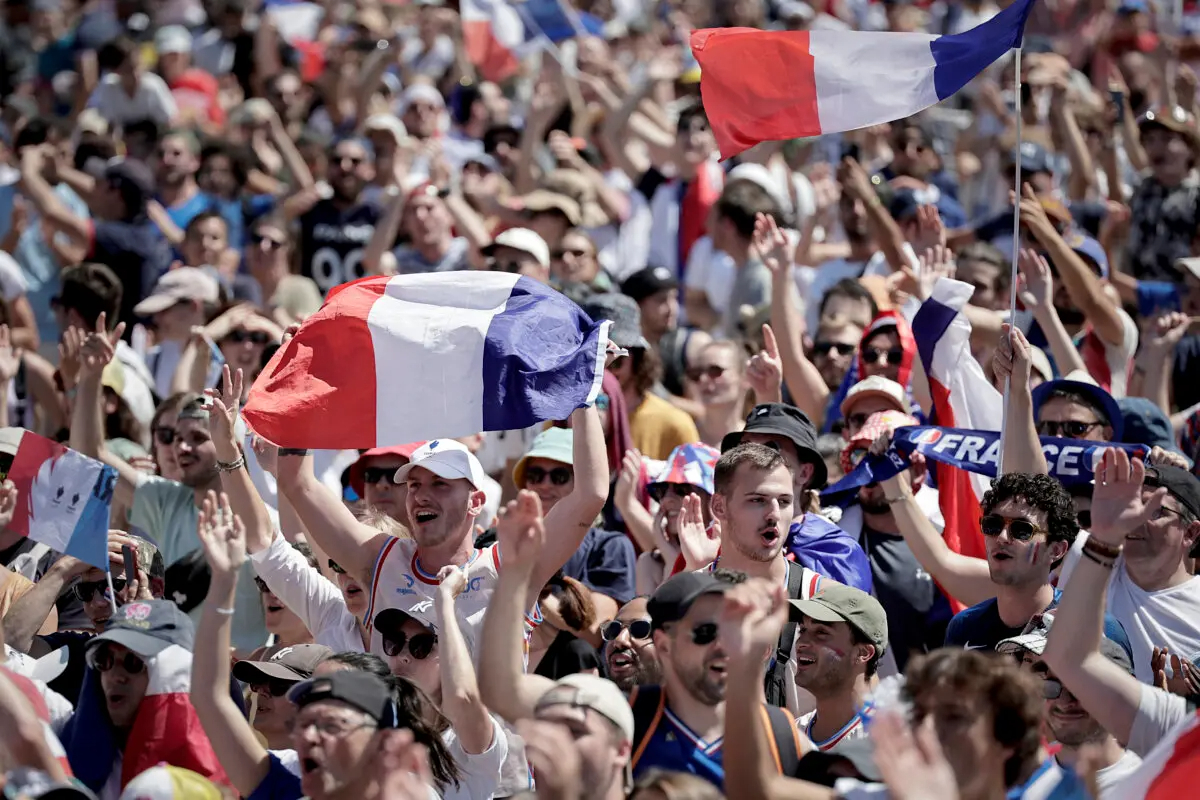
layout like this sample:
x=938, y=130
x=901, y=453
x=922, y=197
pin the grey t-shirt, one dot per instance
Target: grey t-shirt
x=751, y=287
x=410, y=261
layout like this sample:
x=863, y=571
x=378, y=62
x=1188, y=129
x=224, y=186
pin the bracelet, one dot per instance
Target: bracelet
x=1095, y=558
x=1102, y=549
x=231, y=466
x=293, y=451
x=228, y=612
x=899, y=499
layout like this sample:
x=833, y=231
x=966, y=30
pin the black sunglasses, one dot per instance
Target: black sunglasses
x=1070, y=428
x=506, y=266
x=559, y=476
x=419, y=645
x=1052, y=688
x=254, y=337
x=164, y=435
x=704, y=634
x=872, y=355
x=84, y=590
x=374, y=475
x=275, y=687
x=336, y=567
x=272, y=243
x=712, y=371
x=103, y=660
x=638, y=629
x=1020, y=530
x=660, y=490
x=825, y=348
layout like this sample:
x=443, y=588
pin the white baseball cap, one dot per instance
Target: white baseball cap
x=875, y=386
x=522, y=239
x=173, y=39
x=447, y=459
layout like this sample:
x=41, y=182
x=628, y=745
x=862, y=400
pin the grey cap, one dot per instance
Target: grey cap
x=626, y=318
x=147, y=627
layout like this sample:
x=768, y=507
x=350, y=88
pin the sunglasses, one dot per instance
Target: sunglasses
x=506, y=266
x=712, y=372
x=375, y=475
x=825, y=348
x=660, y=490
x=85, y=590
x=420, y=645
x=336, y=567
x=254, y=337
x=274, y=687
x=559, y=476
x=1019, y=530
x=103, y=660
x=1070, y=428
x=164, y=435
x=271, y=243
x=577, y=252
x=354, y=161
x=704, y=634
x=1052, y=688
x=873, y=355
x=638, y=629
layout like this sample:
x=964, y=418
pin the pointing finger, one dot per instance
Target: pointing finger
x=769, y=343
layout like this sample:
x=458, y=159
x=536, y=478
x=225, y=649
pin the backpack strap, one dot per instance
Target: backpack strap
x=785, y=740
x=777, y=677
x=648, y=704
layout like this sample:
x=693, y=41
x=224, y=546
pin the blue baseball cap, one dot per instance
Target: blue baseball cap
x=1079, y=382
x=1146, y=423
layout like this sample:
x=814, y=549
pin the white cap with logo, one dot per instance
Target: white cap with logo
x=447, y=459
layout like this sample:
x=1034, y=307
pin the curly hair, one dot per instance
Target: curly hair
x=1041, y=492
x=1013, y=696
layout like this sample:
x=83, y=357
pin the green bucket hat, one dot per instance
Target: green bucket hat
x=555, y=444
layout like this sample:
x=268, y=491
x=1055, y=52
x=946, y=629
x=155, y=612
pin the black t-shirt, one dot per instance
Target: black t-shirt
x=1185, y=377
x=136, y=252
x=917, y=611
x=332, y=242
x=566, y=655
x=70, y=682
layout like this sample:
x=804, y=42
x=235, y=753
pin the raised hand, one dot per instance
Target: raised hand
x=452, y=579
x=765, y=371
x=404, y=767
x=937, y=262
x=913, y=766
x=98, y=348
x=521, y=530
x=771, y=244
x=226, y=404
x=698, y=544
x=8, y=502
x=1185, y=678
x=752, y=615
x=551, y=751
x=627, y=481
x=1166, y=332
x=1012, y=359
x=931, y=231
x=1035, y=286
x=1033, y=215
x=1117, y=505
x=223, y=535
x=267, y=454
x=10, y=357
x=68, y=355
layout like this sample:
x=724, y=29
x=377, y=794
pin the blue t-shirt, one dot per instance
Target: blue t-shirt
x=136, y=251
x=279, y=784
x=1051, y=782
x=604, y=563
x=980, y=627
x=673, y=746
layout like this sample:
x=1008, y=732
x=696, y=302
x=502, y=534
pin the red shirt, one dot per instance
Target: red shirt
x=196, y=90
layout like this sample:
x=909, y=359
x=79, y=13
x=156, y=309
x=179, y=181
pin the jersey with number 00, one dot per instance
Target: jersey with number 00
x=332, y=242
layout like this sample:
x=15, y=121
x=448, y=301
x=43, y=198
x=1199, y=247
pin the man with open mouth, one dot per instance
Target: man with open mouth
x=629, y=652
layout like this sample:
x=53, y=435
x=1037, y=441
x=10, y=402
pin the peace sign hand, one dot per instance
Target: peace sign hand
x=98, y=348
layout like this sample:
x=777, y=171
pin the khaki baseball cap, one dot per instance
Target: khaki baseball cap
x=583, y=691
x=836, y=602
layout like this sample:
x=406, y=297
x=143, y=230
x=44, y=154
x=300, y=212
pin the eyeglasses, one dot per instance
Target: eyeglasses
x=336, y=567
x=164, y=435
x=85, y=590
x=374, y=475
x=103, y=660
x=638, y=629
x=327, y=728
x=1019, y=530
x=873, y=355
x=272, y=243
x=254, y=337
x=559, y=476
x=420, y=645
x=1071, y=429
x=704, y=634
x=712, y=371
x=825, y=348
x=275, y=687
x=660, y=490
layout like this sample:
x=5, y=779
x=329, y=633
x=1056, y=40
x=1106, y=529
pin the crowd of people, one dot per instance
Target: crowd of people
x=650, y=599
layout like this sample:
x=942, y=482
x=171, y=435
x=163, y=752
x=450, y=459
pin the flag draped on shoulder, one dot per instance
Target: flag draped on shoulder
x=64, y=498
x=763, y=86
x=390, y=360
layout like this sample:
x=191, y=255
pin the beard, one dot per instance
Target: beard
x=701, y=683
x=872, y=501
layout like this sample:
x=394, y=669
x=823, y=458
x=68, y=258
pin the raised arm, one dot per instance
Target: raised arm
x=1021, y=445
x=48, y=204
x=1037, y=293
x=505, y=687
x=27, y=614
x=461, y=701
x=245, y=760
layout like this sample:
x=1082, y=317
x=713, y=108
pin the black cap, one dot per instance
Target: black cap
x=187, y=581
x=649, y=281
x=135, y=180
x=362, y=690
x=147, y=627
x=671, y=601
x=791, y=423
x=1179, y=483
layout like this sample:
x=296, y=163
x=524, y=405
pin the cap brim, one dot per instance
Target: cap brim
x=815, y=609
x=255, y=671
x=393, y=618
x=51, y=665
x=143, y=644
x=154, y=304
x=1097, y=393
x=441, y=470
x=1033, y=642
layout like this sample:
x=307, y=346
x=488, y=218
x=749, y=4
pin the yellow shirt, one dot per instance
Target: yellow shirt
x=659, y=427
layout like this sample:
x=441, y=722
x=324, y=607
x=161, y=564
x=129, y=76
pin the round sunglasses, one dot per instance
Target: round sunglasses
x=419, y=645
x=86, y=590
x=873, y=355
x=103, y=659
x=559, y=476
x=638, y=629
x=1019, y=530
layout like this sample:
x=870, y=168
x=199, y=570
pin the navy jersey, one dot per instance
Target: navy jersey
x=332, y=242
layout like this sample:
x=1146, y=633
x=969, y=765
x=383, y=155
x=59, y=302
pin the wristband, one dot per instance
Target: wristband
x=1108, y=552
x=1103, y=562
x=293, y=451
x=231, y=466
x=227, y=612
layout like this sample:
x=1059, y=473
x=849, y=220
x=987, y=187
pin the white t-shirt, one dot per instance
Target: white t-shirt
x=479, y=776
x=1168, y=617
x=1158, y=713
x=814, y=282
x=1108, y=778
x=711, y=271
x=152, y=100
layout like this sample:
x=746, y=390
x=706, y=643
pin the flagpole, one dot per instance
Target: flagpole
x=1012, y=276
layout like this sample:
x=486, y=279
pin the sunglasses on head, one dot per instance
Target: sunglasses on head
x=374, y=475
x=873, y=355
x=85, y=590
x=638, y=629
x=660, y=490
x=275, y=687
x=271, y=242
x=712, y=371
x=419, y=645
x=1020, y=530
x=559, y=476
x=704, y=634
x=164, y=435
x=825, y=348
x=336, y=567
x=1070, y=428
x=103, y=659
x=254, y=337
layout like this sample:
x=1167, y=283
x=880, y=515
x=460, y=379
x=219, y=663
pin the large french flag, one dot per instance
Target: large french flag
x=391, y=360
x=492, y=34
x=1170, y=770
x=64, y=498
x=763, y=86
x=962, y=398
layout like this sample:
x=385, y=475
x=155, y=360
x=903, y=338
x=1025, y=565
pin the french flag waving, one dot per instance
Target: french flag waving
x=64, y=499
x=760, y=86
x=390, y=360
